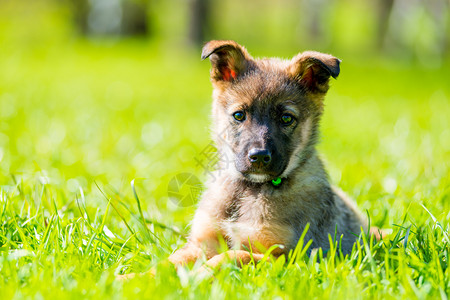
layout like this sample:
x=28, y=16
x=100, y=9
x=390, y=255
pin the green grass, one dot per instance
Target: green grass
x=79, y=122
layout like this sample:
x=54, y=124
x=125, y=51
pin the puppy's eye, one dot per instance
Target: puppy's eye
x=239, y=116
x=287, y=119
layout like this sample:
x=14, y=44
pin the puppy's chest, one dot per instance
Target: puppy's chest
x=256, y=223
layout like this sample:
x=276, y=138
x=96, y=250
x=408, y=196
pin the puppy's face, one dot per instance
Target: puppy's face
x=266, y=111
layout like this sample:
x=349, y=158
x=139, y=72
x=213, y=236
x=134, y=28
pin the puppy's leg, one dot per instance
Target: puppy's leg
x=203, y=240
x=189, y=253
x=241, y=257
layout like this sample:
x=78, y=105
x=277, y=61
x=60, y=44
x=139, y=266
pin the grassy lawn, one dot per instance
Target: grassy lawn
x=80, y=121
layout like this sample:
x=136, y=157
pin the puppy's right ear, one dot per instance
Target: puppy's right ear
x=229, y=60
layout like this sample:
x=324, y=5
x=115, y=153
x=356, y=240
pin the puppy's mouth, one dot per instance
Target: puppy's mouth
x=259, y=177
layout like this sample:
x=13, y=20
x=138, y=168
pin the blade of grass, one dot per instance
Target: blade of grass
x=118, y=212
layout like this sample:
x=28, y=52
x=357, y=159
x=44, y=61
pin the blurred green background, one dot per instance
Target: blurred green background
x=107, y=91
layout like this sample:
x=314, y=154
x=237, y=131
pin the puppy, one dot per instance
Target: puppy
x=271, y=182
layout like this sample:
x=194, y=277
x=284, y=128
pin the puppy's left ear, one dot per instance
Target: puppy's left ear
x=313, y=70
x=229, y=60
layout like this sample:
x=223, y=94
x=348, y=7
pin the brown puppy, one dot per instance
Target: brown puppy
x=271, y=182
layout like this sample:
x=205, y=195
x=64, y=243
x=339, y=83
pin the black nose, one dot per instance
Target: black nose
x=259, y=156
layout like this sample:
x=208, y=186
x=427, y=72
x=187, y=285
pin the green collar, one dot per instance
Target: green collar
x=276, y=181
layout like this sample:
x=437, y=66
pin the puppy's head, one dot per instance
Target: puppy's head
x=266, y=111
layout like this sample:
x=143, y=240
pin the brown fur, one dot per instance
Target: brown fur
x=242, y=206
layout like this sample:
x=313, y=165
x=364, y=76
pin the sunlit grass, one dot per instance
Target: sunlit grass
x=80, y=122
